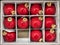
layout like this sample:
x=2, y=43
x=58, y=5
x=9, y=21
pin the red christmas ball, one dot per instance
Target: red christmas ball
x=36, y=22
x=9, y=36
x=50, y=22
x=36, y=35
x=50, y=9
x=23, y=23
x=36, y=9
x=22, y=9
x=50, y=35
x=9, y=22
x=8, y=9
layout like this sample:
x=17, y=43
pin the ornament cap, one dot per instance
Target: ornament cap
x=48, y=3
x=13, y=12
x=53, y=26
x=10, y=19
x=40, y=40
x=40, y=18
x=24, y=19
x=40, y=12
x=26, y=5
x=52, y=31
x=4, y=33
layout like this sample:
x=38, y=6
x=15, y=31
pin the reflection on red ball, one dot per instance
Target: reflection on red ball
x=35, y=8
x=35, y=35
x=23, y=23
x=49, y=21
x=50, y=9
x=36, y=22
x=9, y=22
x=50, y=36
x=22, y=9
x=9, y=36
x=8, y=9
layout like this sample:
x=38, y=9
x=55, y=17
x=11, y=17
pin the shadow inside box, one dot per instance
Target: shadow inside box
x=23, y=34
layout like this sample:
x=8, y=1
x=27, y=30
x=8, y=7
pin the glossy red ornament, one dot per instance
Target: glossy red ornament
x=36, y=22
x=9, y=9
x=9, y=36
x=23, y=23
x=50, y=9
x=50, y=22
x=9, y=22
x=22, y=9
x=36, y=36
x=36, y=9
x=50, y=35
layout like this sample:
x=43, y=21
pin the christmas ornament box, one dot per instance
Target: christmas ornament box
x=24, y=36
